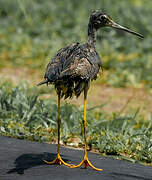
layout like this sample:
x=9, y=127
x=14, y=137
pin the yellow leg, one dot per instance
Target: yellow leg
x=85, y=160
x=58, y=160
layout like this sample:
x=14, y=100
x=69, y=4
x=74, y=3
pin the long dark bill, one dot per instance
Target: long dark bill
x=117, y=26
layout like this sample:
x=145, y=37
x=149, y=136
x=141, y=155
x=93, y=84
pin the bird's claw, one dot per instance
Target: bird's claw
x=86, y=163
x=58, y=161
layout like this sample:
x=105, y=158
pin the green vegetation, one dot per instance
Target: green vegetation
x=31, y=31
x=23, y=115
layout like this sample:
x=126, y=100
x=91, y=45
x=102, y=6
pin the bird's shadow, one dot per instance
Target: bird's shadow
x=27, y=161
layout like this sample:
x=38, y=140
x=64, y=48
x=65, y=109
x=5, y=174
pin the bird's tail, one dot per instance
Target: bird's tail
x=43, y=82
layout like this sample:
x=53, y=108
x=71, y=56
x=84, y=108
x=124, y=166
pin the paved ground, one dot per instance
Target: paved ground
x=22, y=160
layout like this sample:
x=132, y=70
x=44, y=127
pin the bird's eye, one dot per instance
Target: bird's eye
x=103, y=19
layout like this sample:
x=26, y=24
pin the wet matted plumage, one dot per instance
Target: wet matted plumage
x=73, y=68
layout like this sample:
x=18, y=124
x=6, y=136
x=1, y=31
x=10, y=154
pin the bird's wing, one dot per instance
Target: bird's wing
x=71, y=61
x=61, y=61
x=82, y=68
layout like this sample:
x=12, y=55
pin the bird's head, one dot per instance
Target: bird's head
x=99, y=19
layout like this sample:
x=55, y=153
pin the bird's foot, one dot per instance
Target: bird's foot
x=86, y=163
x=58, y=161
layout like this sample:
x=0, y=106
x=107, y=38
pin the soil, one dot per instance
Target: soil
x=116, y=100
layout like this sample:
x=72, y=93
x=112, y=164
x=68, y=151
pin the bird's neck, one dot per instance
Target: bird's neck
x=91, y=34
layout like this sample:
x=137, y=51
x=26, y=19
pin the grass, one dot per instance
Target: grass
x=32, y=31
x=25, y=115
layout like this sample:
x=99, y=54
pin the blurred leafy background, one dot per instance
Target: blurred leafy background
x=31, y=31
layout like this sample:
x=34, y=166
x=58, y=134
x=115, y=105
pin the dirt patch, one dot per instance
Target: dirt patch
x=20, y=74
x=116, y=100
